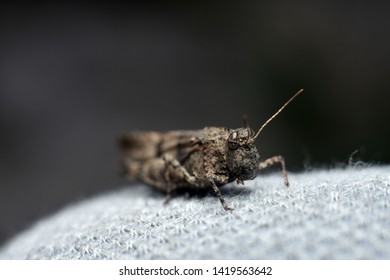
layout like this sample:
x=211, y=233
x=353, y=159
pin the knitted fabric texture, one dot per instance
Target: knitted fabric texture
x=333, y=214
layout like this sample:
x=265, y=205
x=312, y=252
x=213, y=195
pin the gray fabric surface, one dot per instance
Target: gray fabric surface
x=336, y=214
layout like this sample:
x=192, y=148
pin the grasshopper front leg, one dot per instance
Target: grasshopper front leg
x=272, y=161
x=220, y=196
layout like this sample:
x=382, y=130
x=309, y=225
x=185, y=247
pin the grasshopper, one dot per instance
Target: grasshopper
x=206, y=158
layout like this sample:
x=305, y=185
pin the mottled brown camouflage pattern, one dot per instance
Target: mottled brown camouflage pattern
x=210, y=157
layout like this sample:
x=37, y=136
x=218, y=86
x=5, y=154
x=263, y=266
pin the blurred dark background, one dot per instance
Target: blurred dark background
x=72, y=78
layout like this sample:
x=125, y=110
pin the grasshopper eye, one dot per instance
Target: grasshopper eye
x=240, y=137
x=233, y=141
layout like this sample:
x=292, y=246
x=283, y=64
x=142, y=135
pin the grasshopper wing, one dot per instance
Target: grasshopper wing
x=141, y=146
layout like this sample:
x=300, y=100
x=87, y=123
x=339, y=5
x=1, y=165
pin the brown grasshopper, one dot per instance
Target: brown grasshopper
x=210, y=157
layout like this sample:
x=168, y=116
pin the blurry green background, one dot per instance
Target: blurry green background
x=72, y=78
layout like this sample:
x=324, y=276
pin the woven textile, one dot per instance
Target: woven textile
x=333, y=214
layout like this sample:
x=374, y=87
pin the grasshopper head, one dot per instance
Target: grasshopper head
x=242, y=156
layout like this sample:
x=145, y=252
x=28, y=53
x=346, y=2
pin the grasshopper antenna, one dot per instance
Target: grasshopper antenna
x=277, y=113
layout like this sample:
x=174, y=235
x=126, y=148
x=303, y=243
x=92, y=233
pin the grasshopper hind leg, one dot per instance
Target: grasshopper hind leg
x=129, y=168
x=166, y=173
